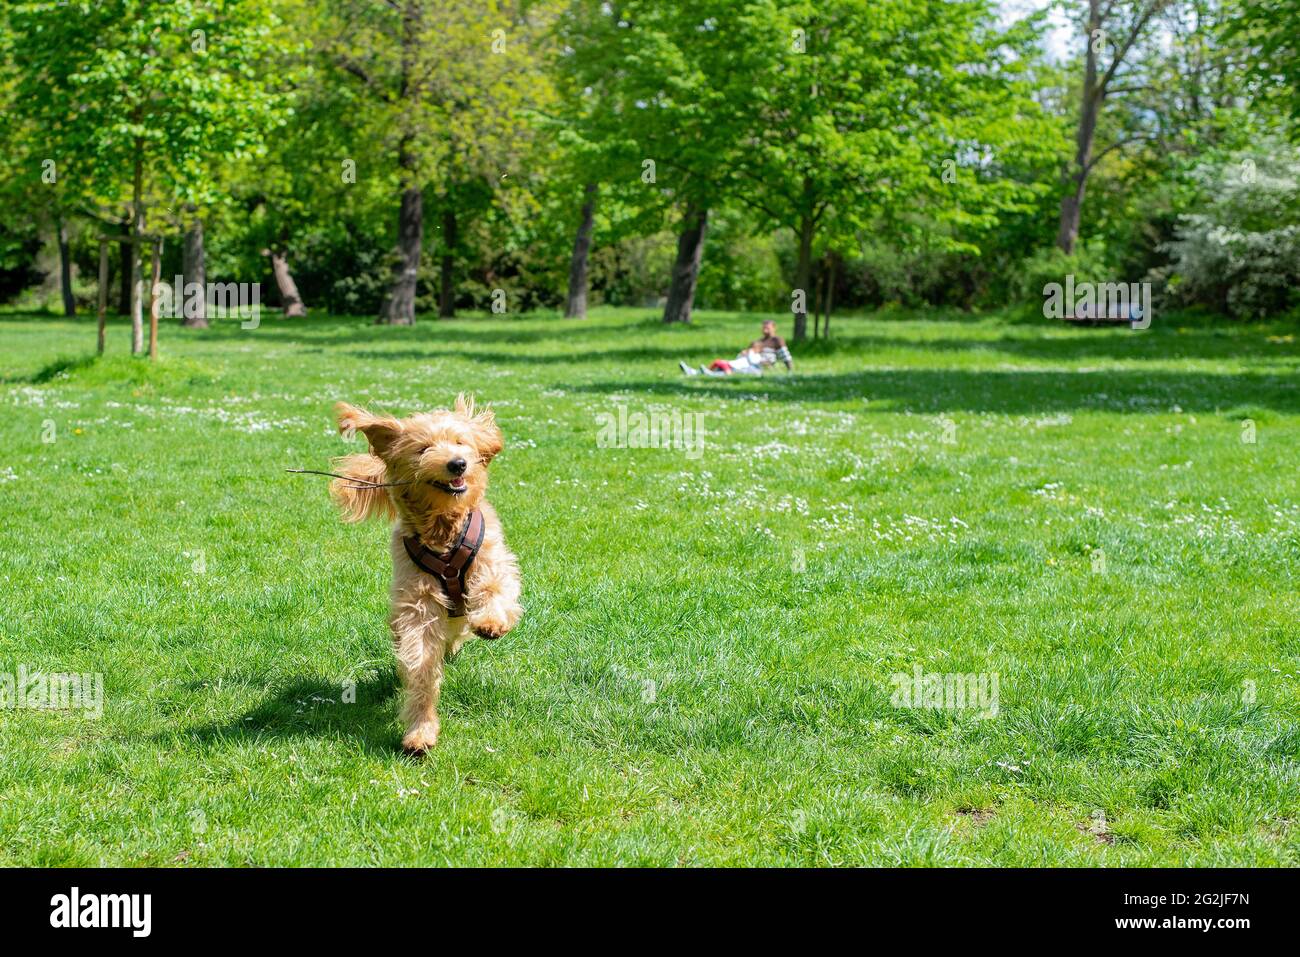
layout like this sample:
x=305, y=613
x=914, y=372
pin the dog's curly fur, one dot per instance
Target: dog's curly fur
x=417, y=450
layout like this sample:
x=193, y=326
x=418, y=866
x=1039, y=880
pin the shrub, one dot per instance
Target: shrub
x=1088, y=263
x=1240, y=252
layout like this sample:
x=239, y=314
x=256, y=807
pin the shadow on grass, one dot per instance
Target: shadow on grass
x=313, y=707
x=996, y=391
x=432, y=333
x=1102, y=343
x=1107, y=345
x=1036, y=340
x=668, y=356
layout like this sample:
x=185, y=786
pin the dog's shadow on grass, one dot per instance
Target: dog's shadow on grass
x=316, y=707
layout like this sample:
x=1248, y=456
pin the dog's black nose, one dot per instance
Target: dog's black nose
x=457, y=466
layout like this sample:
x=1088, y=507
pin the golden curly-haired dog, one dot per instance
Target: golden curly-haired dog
x=433, y=469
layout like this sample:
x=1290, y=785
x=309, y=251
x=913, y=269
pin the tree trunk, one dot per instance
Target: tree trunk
x=65, y=270
x=819, y=283
x=137, y=277
x=686, y=270
x=399, y=305
x=1072, y=202
x=126, y=266
x=576, y=307
x=447, y=286
x=194, y=270
x=1090, y=106
x=830, y=297
x=803, y=279
x=294, y=308
x=154, y=284
x=103, y=294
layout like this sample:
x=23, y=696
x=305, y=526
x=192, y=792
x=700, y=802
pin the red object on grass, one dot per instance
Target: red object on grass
x=721, y=365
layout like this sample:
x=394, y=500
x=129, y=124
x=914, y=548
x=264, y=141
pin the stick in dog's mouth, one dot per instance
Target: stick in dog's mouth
x=456, y=486
x=355, y=482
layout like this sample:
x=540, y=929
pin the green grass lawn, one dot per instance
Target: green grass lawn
x=703, y=671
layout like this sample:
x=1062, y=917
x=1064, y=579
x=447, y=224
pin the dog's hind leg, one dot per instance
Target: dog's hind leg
x=458, y=637
x=419, y=644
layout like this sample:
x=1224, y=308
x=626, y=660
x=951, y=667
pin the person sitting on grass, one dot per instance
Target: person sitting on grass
x=752, y=359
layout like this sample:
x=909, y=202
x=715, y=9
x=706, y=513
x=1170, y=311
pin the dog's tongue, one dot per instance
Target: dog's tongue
x=457, y=483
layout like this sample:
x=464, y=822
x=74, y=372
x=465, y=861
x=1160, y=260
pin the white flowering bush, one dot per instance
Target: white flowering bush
x=1240, y=252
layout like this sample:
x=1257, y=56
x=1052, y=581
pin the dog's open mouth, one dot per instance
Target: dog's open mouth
x=456, y=486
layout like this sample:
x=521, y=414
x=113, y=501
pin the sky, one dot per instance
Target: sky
x=1058, y=40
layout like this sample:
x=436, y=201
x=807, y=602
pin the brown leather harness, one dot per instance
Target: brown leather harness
x=452, y=565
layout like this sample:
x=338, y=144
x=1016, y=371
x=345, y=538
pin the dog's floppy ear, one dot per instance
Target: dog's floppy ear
x=352, y=494
x=380, y=430
x=487, y=436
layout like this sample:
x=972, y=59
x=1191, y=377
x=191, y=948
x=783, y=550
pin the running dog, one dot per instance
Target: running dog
x=453, y=575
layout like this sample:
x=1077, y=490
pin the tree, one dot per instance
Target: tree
x=833, y=135
x=447, y=86
x=140, y=98
x=799, y=110
x=32, y=180
x=596, y=167
x=1111, y=29
x=654, y=111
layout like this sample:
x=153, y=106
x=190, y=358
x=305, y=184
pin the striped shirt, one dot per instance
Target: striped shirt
x=772, y=349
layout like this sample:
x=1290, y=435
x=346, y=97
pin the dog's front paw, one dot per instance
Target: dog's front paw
x=490, y=628
x=421, y=738
x=493, y=624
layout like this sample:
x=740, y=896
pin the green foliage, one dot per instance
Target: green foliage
x=1270, y=30
x=745, y=266
x=1239, y=249
x=634, y=271
x=174, y=86
x=917, y=143
x=1088, y=263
